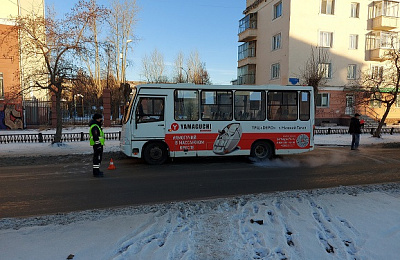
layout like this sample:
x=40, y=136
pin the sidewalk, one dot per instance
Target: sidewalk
x=46, y=149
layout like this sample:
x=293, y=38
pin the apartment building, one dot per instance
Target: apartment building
x=13, y=61
x=15, y=64
x=276, y=37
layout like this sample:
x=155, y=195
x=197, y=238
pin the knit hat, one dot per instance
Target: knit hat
x=97, y=116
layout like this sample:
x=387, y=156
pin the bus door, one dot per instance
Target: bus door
x=149, y=117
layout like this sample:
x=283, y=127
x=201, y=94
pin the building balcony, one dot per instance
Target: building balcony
x=247, y=61
x=248, y=35
x=379, y=54
x=248, y=79
x=380, y=43
x=384, y=23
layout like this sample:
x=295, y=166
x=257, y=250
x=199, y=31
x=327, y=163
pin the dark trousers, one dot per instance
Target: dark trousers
x=97, y=157
x=355, y=141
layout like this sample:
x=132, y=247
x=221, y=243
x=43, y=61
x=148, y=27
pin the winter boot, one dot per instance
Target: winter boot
x=97, y=173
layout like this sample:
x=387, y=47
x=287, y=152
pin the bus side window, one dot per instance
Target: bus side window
x=304, y=105
x=150, y=110
x=186, y=105
x=216, y=105
x=282, y=105
x=249, y=105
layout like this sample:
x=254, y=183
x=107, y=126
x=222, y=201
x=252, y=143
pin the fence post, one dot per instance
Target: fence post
x=329, y=131
x=372, y=131
x=82, y=137
x=391, y=131
x=40, y=138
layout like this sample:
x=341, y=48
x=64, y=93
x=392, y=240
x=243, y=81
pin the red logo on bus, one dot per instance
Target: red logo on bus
x=174, y=127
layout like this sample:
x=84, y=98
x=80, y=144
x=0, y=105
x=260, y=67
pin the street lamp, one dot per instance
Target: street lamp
x=187, y=75
x=123, y=65
x=81, y=96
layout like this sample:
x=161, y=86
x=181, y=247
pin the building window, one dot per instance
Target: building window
x=376, y=72
x=325, y=69
x=327, y=6
x=322, y=100
x=355, y=10
x=376, y=100
x=1, y=86
x=353, y=44
x=325, y=39
x=276, y=41
x=352, y=71
x=275, y=71
x=278, y=10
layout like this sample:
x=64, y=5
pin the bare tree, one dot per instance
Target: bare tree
x=316, y=69
x=153, y=67
x=178, y=76
x=196, y=69
x=93, y=58
x=122, y=23
x=381, y=84
x=55, y=41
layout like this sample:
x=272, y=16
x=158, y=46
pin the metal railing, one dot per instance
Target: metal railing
x=371, y=131
x=79, y=137
x=48, y=138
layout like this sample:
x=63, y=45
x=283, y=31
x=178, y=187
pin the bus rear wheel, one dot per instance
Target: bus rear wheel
x=155, y=153
x=261, y=150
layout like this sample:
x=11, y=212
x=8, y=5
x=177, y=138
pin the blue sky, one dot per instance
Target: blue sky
x=171, y=26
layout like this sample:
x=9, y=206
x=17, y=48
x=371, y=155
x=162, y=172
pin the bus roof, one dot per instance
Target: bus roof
x=227, y=87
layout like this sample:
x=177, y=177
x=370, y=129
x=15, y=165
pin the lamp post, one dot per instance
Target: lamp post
x=123, y=65
x=187, y=75
x=81, y=96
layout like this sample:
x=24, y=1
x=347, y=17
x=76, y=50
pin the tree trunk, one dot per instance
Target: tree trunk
x=382, y=122
x=58, y=135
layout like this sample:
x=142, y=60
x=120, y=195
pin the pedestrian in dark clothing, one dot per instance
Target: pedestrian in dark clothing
x=355, y=131
x=97, y=141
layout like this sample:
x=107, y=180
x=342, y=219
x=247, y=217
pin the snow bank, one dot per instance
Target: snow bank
x=339, y=223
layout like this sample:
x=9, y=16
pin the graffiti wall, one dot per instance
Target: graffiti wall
x=11, y=116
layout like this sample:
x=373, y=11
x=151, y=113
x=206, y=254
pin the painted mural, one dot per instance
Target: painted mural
x=11, y=116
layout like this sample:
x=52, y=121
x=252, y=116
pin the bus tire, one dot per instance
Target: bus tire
x=261, y=150
x=155, y=153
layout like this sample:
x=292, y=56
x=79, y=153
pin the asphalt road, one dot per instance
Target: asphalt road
x=47, y=186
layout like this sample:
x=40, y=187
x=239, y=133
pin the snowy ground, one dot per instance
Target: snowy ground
x=338, y=223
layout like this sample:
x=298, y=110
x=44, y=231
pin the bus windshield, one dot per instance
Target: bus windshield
x=129, y=108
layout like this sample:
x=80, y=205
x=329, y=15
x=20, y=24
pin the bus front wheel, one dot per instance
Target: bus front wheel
x=155, y=153
x=261, y=150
